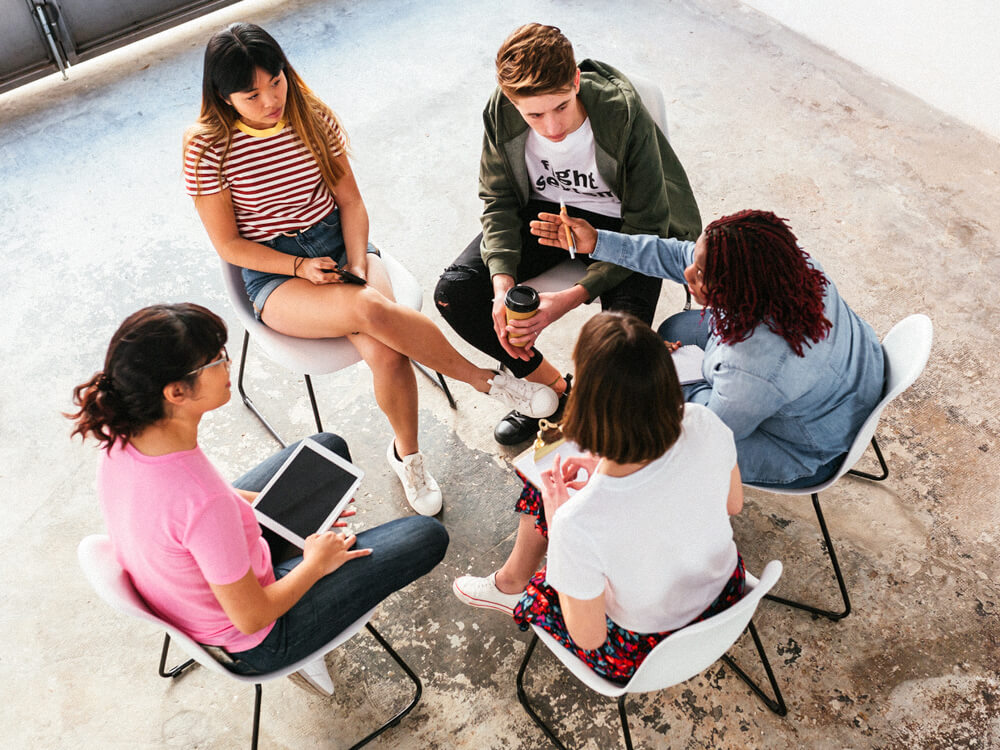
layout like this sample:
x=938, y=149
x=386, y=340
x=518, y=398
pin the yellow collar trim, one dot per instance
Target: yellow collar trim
x=260, y=133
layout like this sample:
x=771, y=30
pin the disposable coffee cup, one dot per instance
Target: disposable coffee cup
x=521, y=302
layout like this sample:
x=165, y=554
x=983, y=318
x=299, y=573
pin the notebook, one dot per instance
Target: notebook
x=688, y=361
x=308, y=493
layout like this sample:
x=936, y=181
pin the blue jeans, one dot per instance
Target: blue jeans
x=323, y=239
x=402, y=551
x=690, y=327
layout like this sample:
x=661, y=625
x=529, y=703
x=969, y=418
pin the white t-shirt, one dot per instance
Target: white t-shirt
x=567, y=171
x=658, y=542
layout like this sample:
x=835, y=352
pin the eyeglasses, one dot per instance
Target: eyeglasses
x=223, y=359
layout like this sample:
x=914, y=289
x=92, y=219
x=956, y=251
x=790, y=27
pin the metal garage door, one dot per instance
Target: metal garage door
x=38, y=37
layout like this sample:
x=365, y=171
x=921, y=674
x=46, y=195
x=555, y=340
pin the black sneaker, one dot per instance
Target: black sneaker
x=515, y=427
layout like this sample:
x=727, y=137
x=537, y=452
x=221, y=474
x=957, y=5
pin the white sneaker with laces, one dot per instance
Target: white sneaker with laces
x=531, y=399
x=422, y=492
x=483, y=592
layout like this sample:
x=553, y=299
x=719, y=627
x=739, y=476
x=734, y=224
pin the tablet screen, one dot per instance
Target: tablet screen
x=308, y=492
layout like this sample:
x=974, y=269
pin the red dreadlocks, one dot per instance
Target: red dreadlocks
x=755, y=273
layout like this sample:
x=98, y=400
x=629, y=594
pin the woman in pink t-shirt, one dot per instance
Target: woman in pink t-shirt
x=188, y=539
x=267, y=166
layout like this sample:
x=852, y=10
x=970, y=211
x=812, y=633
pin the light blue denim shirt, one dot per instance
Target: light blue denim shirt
x=790, y=415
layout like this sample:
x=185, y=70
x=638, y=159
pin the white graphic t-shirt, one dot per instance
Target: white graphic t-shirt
x=567, y=171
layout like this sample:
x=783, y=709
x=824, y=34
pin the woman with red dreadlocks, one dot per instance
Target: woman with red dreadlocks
x=789, y=367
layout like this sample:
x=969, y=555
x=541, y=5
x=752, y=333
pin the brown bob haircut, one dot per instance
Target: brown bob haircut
x=626, y=404
x=535, y=60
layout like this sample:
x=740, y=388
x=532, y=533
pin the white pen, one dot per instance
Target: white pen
x=569, y=233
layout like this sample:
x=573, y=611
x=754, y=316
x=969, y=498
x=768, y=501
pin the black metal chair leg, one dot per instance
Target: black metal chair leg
x=881, y=462
x=776, y=704
x=522, y=696
x=624, y=718
x=409, y=673
x=312, y=400
x=174, y=671
x=829, y=614
x=256, y=717
x=439, y=382
x=246, y=399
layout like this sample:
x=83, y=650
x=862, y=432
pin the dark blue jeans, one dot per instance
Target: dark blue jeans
x=402, y=551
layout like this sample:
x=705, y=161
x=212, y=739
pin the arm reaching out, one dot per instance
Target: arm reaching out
x=548, y=228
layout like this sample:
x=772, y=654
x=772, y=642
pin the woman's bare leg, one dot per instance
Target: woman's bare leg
x=525, y=559
x=547, y=374
x=300, y=308
x=395, y=386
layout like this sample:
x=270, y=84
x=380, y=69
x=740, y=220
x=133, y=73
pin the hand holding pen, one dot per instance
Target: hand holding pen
x=571, y=244
x=562, y=230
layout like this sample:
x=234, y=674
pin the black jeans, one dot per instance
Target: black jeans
x=464, y=293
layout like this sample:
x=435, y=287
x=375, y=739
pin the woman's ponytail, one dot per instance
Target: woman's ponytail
x=152, y=348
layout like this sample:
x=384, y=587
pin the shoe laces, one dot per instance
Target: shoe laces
x=515, y=387
x=416, y=477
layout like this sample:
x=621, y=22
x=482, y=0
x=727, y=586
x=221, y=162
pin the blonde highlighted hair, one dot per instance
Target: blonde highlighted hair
x=232, y=58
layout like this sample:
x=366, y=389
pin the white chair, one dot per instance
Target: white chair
x=679, y=657
x=312, y=356
x=113, y=585
x=567, y=273
x=907, y=347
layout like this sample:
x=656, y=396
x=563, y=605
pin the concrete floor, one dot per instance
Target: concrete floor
x=898, y=201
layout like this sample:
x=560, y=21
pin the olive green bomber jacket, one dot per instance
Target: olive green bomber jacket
x=633, y=156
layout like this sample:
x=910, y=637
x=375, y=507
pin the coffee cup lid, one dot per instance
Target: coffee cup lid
x=521, y=299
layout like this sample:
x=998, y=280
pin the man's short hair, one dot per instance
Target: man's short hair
x=534, y=60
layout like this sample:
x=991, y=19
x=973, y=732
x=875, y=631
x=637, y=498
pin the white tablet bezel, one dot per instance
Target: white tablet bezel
x=341, y=504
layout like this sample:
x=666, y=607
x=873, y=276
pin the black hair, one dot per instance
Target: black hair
x=152, y=348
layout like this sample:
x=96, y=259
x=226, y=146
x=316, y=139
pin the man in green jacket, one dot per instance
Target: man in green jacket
x=558, y=133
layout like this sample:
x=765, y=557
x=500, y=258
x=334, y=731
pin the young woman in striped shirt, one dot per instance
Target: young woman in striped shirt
x=267, y=166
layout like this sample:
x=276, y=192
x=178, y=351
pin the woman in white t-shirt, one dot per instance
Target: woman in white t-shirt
x=267, y=166
x=645, y=546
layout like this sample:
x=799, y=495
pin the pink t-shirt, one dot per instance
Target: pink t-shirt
x=176, y=525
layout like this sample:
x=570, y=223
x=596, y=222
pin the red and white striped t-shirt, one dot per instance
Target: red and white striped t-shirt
x=275, y=183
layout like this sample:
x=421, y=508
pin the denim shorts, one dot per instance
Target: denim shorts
x=322, y=239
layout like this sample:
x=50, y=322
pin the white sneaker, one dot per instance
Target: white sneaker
x=483, y=592
x=314, y=678
x=531, y=399
x=422, y=492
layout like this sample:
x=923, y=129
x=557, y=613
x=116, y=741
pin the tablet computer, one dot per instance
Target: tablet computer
x=308, y=493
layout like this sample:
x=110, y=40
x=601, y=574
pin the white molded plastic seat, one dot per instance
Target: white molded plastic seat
x=113, y=585
x=312, y=356
x=907, y=347
x=679, y=657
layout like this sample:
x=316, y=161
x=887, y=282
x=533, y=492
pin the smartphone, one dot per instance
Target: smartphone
x=346, y=276
x=350, y=278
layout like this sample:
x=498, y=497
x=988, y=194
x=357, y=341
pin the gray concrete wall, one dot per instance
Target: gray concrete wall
x=945, y=54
